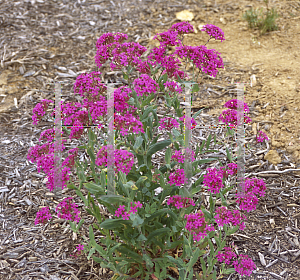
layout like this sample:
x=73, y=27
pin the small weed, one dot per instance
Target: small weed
x=256, y=19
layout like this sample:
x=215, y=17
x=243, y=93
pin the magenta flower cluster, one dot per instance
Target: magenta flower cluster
x=230, y=117
x=179, y=156
x=126, y=121
x=225, y=217
x=42, y=216
x=206, y=60
x=249, y=200
x=180, y=202
x=246, y=201
x=67, y=210
x=40, y=109
x=79, y=248
x=168, y=123
x=244, y=266
x=261, y=137
x=177, y=177
x=125, y=215
x=173, y=87
x=123, y=159
x=214, y=31
x=197, y=225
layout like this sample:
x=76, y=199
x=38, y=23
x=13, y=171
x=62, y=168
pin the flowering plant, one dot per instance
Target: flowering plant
x=151, y=228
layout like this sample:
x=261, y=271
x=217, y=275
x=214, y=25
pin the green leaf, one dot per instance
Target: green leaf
x=125, y=76
x=103, y=178
x=178, y=261
x=80, y=224
x=126, y=251
x=208, y=141
x=146, y=114
x=203, y=265
x=196, y=190
x=112, y=199
x=157, y=147
x=138, y=142
x=141, y=237
x=193, y=259
x=91, y=234
x=202, y=145
x=168, y=155
x=147, y=100
x=156, y=233
x=141, y=180
x=232, y=230
x=113, y=249
x=195, y=88
x=207, y=214
x=148, y=260
x=229, y=155
x=137, y=220
x=229, y=270
x=197, y=114
x=114, y=223
x=91, y=252
x=94, y=188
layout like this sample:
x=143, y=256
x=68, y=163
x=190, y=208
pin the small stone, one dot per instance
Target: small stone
x=223, y=20
x=273, y=157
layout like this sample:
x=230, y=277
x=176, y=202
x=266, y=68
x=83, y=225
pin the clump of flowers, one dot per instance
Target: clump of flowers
x=168, y=123
x=261, y=137
x=123, y=159
x=177, y=177
x=67, y=210
x=133, y=209
x=180, y=202
x=225, y=217
x=179, y=156
x=248, y=200
x=213, y=180
x=79, y=248
x=197, y=225
x=244, y=265
x=42, y=216
x=40, y=109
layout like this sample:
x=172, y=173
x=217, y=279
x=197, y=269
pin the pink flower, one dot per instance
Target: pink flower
x=233, y=104
x=197, y=225
x=121, y=210
x=42, y=216
x=67, y=210
x=213, y=180
x=177, y=177
x=245, y=266
x=144, y=85
x=214, y=31
x=180, y=202
x=168, y=123
x=180, y=157
x=261, y=137
x=247, y=201
x=226, y=256
x=203, y=58
x=79, y=248
x=123, y=159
